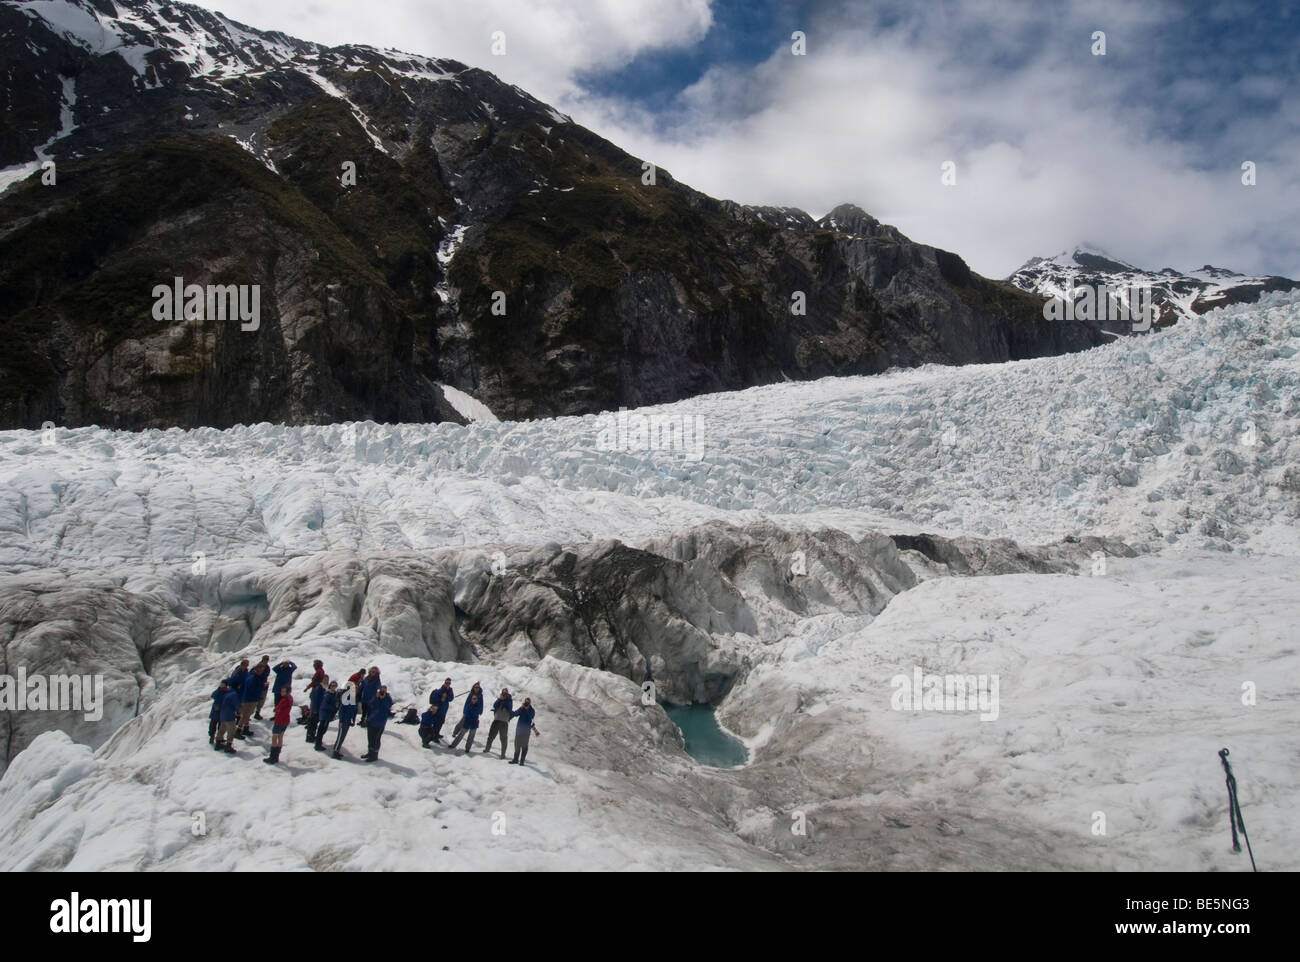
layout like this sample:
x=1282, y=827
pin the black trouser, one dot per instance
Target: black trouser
x=437, y=725
x=365, y=710
x=373, y=735
x=426, y=736
x=321, y=729
x=498, y=728
x=521, y=745
x=312, y=719
x=213, y=722
x=344, y=725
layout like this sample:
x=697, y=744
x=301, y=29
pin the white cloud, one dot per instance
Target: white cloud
x=1049, y=149
x=548, y=42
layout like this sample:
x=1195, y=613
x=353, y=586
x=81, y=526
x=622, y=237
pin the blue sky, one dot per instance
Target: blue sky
x=1179, y=68
x=744, y=33
x=1138, y=151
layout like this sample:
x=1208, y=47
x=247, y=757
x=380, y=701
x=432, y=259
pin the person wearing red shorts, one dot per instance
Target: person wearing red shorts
x=280, y=723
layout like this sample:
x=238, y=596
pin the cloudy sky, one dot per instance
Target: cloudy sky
x=1138, y=152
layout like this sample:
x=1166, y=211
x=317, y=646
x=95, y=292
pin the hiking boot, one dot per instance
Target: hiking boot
x=229, y=751
x=514, y=761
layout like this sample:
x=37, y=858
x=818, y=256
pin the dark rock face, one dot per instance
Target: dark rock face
x=488, y=243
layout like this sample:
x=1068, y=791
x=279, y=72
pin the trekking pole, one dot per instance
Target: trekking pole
x=1234, y=811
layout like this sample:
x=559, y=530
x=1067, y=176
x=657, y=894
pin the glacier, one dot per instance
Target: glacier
x=1113, y=534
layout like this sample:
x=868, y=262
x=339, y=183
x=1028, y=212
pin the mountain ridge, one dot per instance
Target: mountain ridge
x=1176, y=295
x=215, y=155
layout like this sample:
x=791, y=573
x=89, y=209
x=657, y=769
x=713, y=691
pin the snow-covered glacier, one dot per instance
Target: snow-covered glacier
x=1111, y=536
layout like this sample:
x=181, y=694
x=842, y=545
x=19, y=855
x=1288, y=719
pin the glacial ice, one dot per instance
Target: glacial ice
x=766, y=578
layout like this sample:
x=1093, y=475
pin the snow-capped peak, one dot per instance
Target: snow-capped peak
x=1176, y=294
x=209, y=44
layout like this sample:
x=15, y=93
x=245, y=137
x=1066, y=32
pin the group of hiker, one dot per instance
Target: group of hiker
x=503, y=709
x=241, y=697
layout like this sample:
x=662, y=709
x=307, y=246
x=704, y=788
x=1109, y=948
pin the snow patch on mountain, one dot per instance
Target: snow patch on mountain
x=18, y=172
x=332, y=89
x=466, y=406
x=81, y=25
x=1176, y=295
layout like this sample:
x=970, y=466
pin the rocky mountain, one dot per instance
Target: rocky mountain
x=1176, y=295
x=410, y=224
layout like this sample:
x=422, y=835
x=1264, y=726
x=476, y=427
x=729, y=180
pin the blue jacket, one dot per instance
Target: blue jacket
x=472, y=711
x=230, y=705
x=314, y=700
x=252, y=686
x=217, y=697
x=508, y=703
x=283, y=676
x=377, y=717
x=429, y=718
x=347, y=714
x=525, y=716
x=368, y=688
x=439, y=703
x=329, y=704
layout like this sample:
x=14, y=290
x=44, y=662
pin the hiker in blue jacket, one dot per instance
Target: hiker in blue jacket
x=347, y=716
x=468, y=722
x=443, y=695
x=214, y=716
x=231, y=705
x=283, y=678
x=314, y=700
x=524, y=730
x=376, y=719
x=252, y=691
x=265, y=666
x=369, y=687
x=441, y=699
x=329, y=707
x=263, y=669
x=427, y=721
